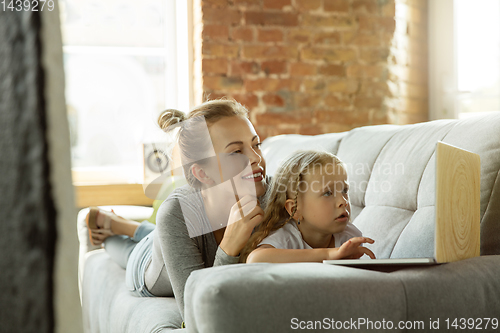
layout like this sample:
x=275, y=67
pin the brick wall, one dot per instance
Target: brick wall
x=314, y=66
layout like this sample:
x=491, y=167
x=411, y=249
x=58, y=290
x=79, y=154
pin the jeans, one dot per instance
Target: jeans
x=134, y=255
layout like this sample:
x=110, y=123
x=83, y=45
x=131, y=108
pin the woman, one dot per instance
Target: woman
x=199, y=225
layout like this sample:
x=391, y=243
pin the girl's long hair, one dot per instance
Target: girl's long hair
x=285, y=185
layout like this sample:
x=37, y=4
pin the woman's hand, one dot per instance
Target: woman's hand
x=352, y=249
x=245, y=215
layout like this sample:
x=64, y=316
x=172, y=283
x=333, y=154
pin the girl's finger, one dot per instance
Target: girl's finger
x=368, y=252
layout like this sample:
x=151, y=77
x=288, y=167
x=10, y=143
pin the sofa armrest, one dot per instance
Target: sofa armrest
x=281, y=297
x=267, y=297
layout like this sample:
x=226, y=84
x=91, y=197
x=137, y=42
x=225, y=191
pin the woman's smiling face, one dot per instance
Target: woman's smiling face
x=237, y=146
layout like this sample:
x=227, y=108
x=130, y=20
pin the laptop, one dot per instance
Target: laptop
x=457, y=232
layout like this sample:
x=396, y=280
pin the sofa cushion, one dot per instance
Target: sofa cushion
x=110, y=307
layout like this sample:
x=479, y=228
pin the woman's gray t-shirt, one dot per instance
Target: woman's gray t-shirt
x=175, y=252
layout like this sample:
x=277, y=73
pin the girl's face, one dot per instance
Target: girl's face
x=323, y=201
x=237, y=146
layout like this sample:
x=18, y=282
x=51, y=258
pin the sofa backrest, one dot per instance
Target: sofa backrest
x=392, y=178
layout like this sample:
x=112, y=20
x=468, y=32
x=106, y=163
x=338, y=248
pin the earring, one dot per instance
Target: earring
x=298, y=221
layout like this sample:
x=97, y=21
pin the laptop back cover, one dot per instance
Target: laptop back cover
x=458, y=174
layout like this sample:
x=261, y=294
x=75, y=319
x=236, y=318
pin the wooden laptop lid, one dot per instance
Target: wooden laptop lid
x=458, y=180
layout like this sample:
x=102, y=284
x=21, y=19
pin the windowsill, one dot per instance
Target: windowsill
x=111, y=194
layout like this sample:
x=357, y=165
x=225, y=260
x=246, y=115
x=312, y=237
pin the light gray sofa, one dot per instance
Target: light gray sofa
x=392, y=196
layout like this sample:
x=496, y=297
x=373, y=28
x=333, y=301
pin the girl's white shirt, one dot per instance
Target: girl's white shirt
x=289, y=237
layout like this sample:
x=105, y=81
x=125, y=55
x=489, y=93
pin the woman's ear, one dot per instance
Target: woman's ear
x=289, y=204
x=201, y=175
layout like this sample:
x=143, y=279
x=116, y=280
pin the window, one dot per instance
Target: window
x=478, y=56
x=464, y=57
x=125, y=61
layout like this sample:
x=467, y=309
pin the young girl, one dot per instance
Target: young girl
x=307, y=217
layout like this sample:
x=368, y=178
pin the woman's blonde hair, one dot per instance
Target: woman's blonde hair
x=194, y=146
x=285, y=185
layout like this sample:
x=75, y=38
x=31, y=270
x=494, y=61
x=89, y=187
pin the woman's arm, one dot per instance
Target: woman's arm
x=180, y=253
x=349, y=250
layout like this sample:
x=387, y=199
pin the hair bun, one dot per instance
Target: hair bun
x=169, y=118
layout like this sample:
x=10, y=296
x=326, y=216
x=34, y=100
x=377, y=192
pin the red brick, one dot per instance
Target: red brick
x=314, y=85
x=367, y=102
x=343, y=117
x=269, y=52
x=244, y=67
x=377, y=89
x=328, y=54
x=218, y=3
x=336, y=102
x=273, y=100
x=317, y=20
x=332, y=70
x=270, y=35
x=380, y=117
x=404, y=118
x=389, y=9
x=335, y=127
x=221, y=16
x=276, y=4
x=302, y=69
x=371, y=23
x=309, y=129
x=336, y=6
x=374, y=55
x=308, y=100
x=271, y=18
x=215, y=31
x=300, y=36
x=308, y=4
x=222, y=83
x=343, y=86
x=249, y=100
x=271, y=84
x=327, y=37
x=289, y=118
x=362, y=39
x=248, y=2
x=220, y=50
x=215, y=66
x=274, y=67
x=366, y=7
x=242, y=34
x=365, y=71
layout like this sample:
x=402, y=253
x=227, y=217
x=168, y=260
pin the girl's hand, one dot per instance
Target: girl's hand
x=240, y=228
x=352, y=249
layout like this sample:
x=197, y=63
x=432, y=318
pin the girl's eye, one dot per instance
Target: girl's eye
x=346, y=190
x=258, y=145
x=327, y=193
x=236, y=152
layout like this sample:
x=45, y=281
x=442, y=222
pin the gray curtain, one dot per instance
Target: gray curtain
x=27, y=220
